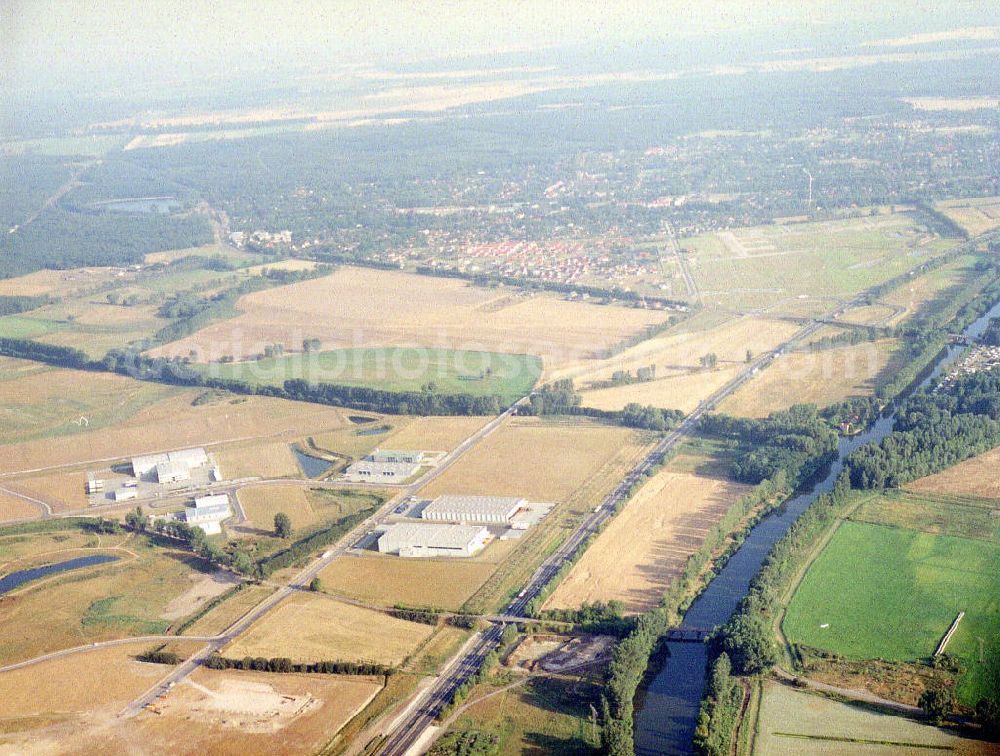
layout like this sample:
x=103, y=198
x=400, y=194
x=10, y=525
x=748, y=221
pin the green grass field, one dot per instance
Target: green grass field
x=397, y=369
x=890, y=593
x=21, y=327
x=764, y=265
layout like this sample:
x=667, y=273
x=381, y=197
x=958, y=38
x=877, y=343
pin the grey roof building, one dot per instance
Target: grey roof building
x=485, y=509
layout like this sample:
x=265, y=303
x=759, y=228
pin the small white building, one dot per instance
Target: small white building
x=427, y=540
x=125, y=494
x=485, y=509
x=95, y=486
x=208, y=513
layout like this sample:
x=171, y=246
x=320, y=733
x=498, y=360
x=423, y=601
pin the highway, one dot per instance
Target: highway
x=466, y=664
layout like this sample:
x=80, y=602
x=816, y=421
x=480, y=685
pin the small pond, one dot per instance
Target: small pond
x=313, y=467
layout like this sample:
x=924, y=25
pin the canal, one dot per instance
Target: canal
x=665, y=721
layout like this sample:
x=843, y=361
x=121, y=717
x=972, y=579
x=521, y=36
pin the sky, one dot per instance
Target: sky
x=67, y=43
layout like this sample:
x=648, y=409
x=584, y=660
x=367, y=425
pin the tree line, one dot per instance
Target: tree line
x=285, y=665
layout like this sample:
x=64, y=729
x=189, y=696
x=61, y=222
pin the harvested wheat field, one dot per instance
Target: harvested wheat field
x=434, y=433
x=973, y=477
x=173, y=423
x=264, y=459
x=56, y=282
x=681, y=391
x=538, y=460
x=389, y=580
x=13, y=508
x=313, y=628
x=359, y=307
x=645, y=546
x=262, y=503
x=680, y=349
x=822, y=377
x=63, y=491
x=102, y=677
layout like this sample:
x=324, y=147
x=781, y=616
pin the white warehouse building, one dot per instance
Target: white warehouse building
x=208, y=513
x=427, y=540
x=383, y=466
x=175, y=464
x=485, y=509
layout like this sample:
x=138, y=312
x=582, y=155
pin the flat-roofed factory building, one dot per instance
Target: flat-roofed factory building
x=493, y=510
x=419, y=539
x=169, y=467
x=383, y=466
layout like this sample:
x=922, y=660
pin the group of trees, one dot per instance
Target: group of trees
x=796, y=441
x=604, y=618
x=12, y=304
x=933, y=430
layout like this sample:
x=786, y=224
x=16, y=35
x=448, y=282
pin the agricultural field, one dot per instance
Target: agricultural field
x=178, y=418
x=541, y=461
x=819, y=377
x=231, y=712
x=548, y=715
x=678, y=350
x=645, y=546
x=56, y=282
x=393, y=369
x=311, y=627
x=387, y=580
x=973, y=477
x=930, y=291
x=14, y=508
x=361, y=308
x=307, y=508
x=260, y=459
x=764, y=266
x=976, y=215
x=225, y=613
x=432, y=433
x=103, y=682
x=793, y=721
x=892, y=593
x=935, y=513
x=240, y=712
x=132, y=596
x=682, y=391
x=51, y=402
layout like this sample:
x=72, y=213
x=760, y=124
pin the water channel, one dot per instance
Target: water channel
x=16, y=579
x=665, y=721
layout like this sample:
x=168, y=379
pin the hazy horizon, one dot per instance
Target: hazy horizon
x=82, y=46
